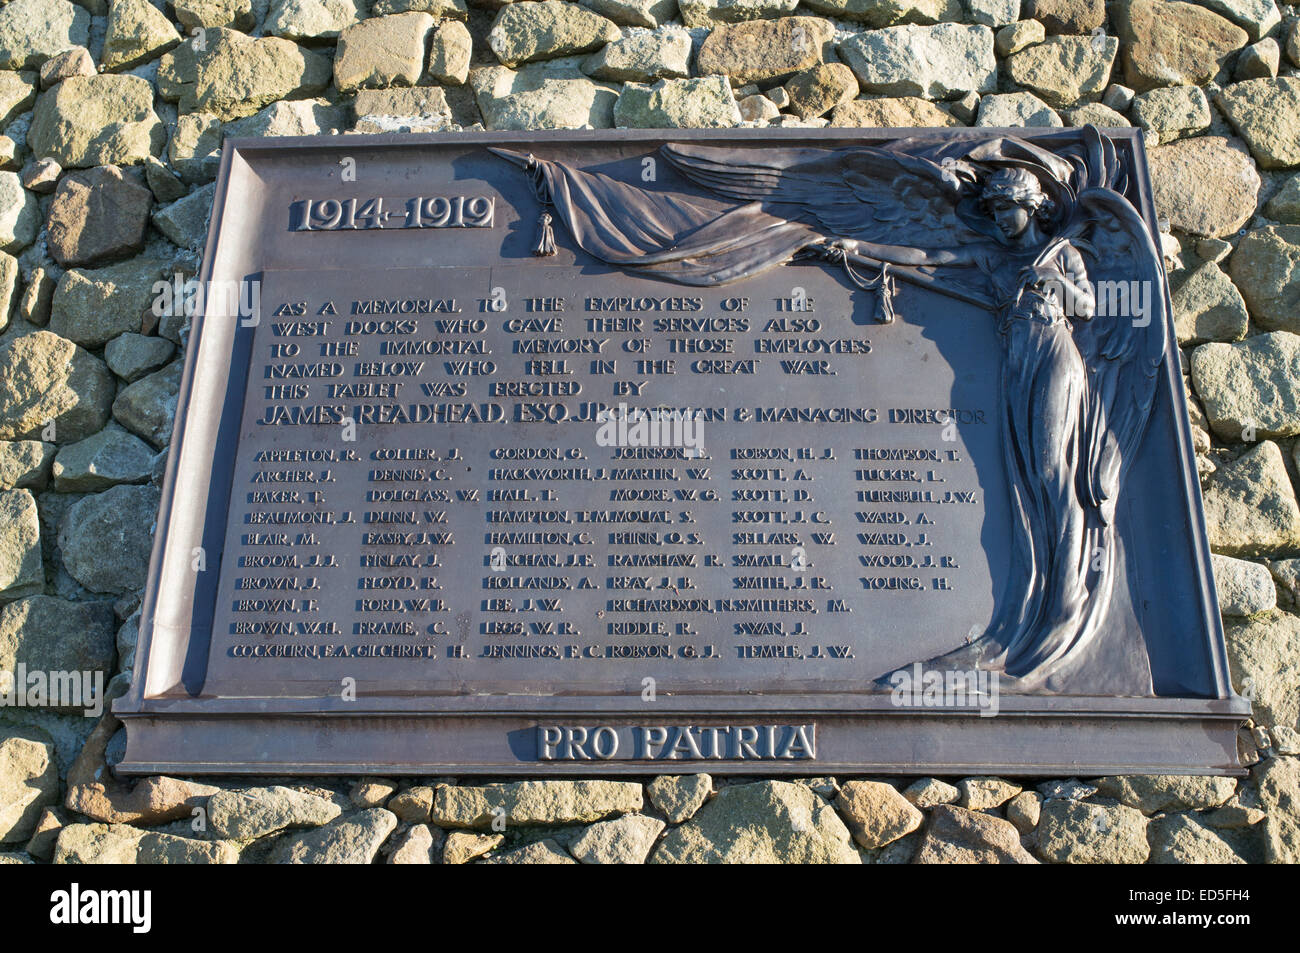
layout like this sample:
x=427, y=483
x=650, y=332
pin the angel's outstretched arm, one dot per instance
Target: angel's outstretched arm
x=871, y=253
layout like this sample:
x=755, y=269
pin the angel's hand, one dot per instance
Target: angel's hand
x=838, y=249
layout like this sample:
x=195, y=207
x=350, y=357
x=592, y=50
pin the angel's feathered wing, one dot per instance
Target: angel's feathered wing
x=889, y=196
x=1125, y=343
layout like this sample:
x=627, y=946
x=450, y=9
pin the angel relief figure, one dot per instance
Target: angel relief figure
x=1025, y=233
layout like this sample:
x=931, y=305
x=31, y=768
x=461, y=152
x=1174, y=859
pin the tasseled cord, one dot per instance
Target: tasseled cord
x=545, y=237
x=545, y=246
x=882, y=284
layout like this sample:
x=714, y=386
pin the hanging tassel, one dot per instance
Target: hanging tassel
x=885, y=295
x=882, y=284
x=545, y=237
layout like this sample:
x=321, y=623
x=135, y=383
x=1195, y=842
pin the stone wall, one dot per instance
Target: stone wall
x=112, y=113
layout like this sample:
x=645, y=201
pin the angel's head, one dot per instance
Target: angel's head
x=1013, y=198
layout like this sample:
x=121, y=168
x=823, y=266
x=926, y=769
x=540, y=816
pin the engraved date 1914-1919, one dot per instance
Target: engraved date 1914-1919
x=422, y=211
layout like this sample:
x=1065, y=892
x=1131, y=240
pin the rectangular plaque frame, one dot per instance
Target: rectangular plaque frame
x=184, y=716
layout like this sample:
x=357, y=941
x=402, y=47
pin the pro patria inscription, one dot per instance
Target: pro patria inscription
x=584, y=454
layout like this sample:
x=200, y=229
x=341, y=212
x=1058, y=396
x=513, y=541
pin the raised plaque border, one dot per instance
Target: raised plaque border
x=173, y=731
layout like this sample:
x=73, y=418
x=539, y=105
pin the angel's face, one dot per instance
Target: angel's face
x=1010, y=216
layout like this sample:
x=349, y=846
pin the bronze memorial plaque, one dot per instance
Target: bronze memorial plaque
x=812, y=451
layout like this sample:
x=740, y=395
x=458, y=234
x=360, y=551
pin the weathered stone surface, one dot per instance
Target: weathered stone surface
x=461, y=847
x=74, y=62
x=162, y=181
x=983, y=793
x=1015, y=109
x=1266, y=113
x=385, y=51
x=816, y=91
x=764, y=822
x=414, y=805
x=148, y=407
x=876, y=813
x=678, y=797
x=1157, y=793
x=1259, y=60
x=534, y=802
x=45, y=377
x=97, y=844
x=1066, y=16
x=420, y=844
x=886, y=112
x=1208, y=307
x=879, y=13
x=1284, y=206
x=353, y=839
x=1024, y=809
x=642, y=58
x=46, y=833
x=992, y=13
x=301, y=20
x=958, y=836
x=106, y=538
x=25, y=463
x=1264, y=655
x=646, y=13
x=1172, y=112
x=209, y=14
x=1278, y=780
x=709, y=13
x=1169, y=43
x=195, y=145
x=1183, y=839
x=1064, y=69
x=757, y=108
x=131, y=356
x=677, y=103
x=928, y=792
x=764, y=50
x=1097, y=115
x=372, y=792
x=256, y=812
x=105, y=459
x=1244, y=587
x=449, y=53
x=1256, y=17
x=935, y=62
x=96, y=120
x=17, y=93
x=31, y=31
x=237, y=75
x=526, y=32
x=623, y=840
x=1204, y=186
x=402, y=109
x=20, y=217
x=98, y=216
x=156, y=847
x=154, y=800
x=1086, y=832
x=41, y=176
x=1016, y=36
x=1250, y=387
x=1266, y=266
x=539, y=98
x=539, y=852
x=29, y=781
x=137, y=33
x=20, y=546
x=1250, y=508
x=185, y=221
x=90, y=307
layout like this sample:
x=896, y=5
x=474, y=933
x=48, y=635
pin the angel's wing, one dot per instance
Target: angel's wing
x=888, y=196
x=1124, y=343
